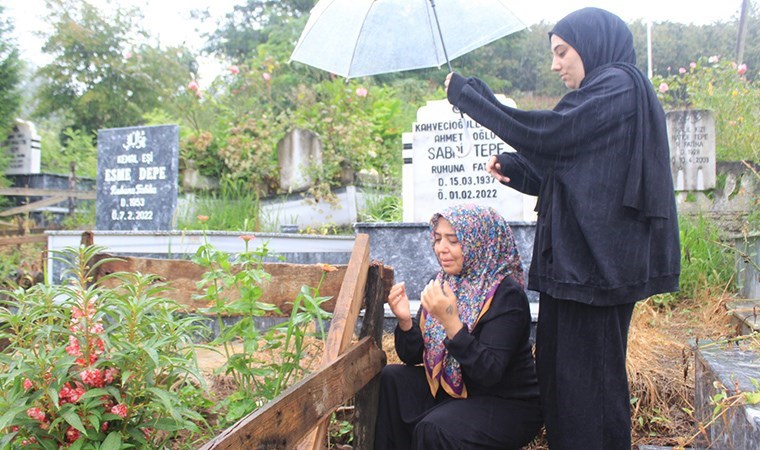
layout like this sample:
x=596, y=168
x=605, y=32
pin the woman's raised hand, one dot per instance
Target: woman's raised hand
x=494, y=168
x=441, y=303
x=399, y=303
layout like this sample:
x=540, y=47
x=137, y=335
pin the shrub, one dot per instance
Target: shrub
x=92, y=367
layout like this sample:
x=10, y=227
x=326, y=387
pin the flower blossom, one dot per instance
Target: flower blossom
x=234, y=69
x=713, y=59
x=36, y=414
x=202, y=218
x=72, y=434
x=742, y=69
x=692, y=64
x=120, y=410
x=71, y=395
x=266, y=76
x=327, y=267
x=93, y=377
x=247, y=237
x=681, y=70
x=110, y=374
x=28, y=384
x=193, y=86
x=664, y=87
x=361, y=92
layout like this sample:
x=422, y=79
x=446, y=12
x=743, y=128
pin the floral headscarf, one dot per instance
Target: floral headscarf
x=490, y=254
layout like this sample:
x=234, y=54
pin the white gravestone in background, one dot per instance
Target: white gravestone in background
x=23, y=149
x=443, y=166
x=691, y=134
x=296, y=152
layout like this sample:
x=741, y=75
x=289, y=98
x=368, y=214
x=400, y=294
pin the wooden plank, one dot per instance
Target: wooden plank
x=32, y=192
x=379, y=282
x=17, y=240
x=284, y=420
x=32, y=206
x=343, y=323
x=181, y=276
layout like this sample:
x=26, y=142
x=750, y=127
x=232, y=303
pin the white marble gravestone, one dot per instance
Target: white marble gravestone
x=444, y=165
x=23, y=148
x=691, y=134
x=295, y=153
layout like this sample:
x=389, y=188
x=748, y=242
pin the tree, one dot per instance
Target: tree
x=10, y=75
x=104, y=73
x=249, y=25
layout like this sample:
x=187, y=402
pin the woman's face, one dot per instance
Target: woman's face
x=567, y=62
x=447, y=248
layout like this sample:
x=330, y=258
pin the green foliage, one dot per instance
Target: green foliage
x=707, y=263
x=234, y=207
x=383, y=208
x=79, y=148
x=103, y=74
x=257, y=380
x=724, y=88
x=10, y=75
x=89, y=366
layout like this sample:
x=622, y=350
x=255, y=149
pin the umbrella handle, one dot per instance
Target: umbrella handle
x=440, y=35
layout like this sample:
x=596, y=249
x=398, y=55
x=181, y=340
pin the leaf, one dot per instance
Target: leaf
x=752, y=398
x=112, y=441
x=167, y=424
x=74, y=420
x=6, y=418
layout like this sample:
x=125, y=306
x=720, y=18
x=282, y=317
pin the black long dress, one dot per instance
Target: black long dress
x=502, y=408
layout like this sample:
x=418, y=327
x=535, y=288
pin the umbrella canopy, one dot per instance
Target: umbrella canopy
x=355, y=38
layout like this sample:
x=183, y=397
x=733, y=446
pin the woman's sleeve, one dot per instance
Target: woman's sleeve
x=486, y=358
x=409, y=344
x=523, y=176
x=579, y=117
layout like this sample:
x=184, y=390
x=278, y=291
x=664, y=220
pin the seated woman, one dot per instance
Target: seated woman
x=476, y=386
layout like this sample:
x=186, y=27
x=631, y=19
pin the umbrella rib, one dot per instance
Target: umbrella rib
x=356, y=44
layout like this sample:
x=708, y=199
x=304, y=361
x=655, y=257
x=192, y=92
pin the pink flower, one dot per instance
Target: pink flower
x=120, y=410
x=73, y=347
x=71, y=395
x=93, y=377
x=97, y=328
x=36, y=414
x=361, y=92
x=681, y=70
x=193, y=86
x=713, y=59
x=111, y=374
x=72, y=434
x=247, y=237
x=664, y=87
x=28, y=384
x=234, y=70
x=266, y=76
x=692, y=64
x=127, y=54
x=742, y=69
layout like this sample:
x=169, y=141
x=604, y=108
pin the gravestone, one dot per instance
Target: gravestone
x=23, y=149
x=137, y=178
x=295, y=153
x=445, y=160
x=691, y=134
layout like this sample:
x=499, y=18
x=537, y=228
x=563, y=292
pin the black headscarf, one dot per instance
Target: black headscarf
x=603, y=40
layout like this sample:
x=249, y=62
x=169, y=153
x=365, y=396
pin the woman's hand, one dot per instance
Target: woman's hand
x=441, y=303
x=399, y=303
x=494, y=168
x=446, y=83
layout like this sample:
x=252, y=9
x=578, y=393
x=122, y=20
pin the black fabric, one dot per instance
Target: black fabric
x=580, y=358
x=599, y=162
x=502, y=408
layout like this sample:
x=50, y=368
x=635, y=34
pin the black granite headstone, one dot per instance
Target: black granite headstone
x=137, y=178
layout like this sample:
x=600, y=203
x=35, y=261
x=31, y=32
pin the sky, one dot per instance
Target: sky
x=170, y=20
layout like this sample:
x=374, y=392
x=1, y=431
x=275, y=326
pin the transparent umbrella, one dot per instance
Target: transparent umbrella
x=355, y=38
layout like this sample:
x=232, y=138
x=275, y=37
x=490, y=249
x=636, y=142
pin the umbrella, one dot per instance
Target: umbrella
x=355, y=38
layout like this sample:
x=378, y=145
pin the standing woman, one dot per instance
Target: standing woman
x=607, y=228
x=468, y=378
